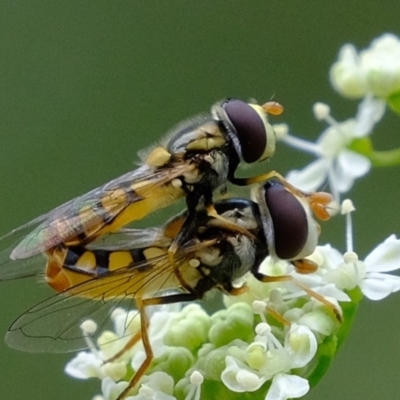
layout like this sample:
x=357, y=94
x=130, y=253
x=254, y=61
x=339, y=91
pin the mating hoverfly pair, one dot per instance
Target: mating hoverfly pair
x=90, y=256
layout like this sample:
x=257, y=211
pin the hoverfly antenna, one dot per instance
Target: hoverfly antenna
x=273, y=108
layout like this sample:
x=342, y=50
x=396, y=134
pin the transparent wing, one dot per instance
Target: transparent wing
x=91, y=213
x=54, y=324
x=120, y=240
x=24, y=268
x=130, y=238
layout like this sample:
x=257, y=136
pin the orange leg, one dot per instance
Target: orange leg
x=287, y=278
x=144, y=323
x=275, y=314
x=318, y=200
x=228, y=225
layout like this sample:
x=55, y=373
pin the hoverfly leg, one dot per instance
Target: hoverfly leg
x=185, y=232
x=144, y=324
x=267, y=177
x=237, y=291
x=225, y=224
x=336, y=311
x=278, y=316
x=132, y=341
x=287, y=278
x=319, y=201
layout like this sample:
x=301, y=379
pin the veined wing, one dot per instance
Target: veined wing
x=54, y=324
x=131, y=238
x=103, y=210
x=120, y=240
x=125, y=238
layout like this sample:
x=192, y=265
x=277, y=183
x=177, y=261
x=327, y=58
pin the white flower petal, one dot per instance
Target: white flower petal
x=311, y=177
x=112, y=390
x=381, y=65
x=385, y=257
x=85, y=365
x=287, y=386
x=235, y=374
x=116, y=370
x=380, y=286
x=318, y=321
x=331, y=257
x=370, y=111
x=350, y=165
x=160, y=381
x=249, y=381
x=301, y=345
x=345, y=73
x=330, y=290
x=157, y=386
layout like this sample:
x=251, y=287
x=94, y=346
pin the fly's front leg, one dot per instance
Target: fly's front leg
x=193, y=197
x=264, y=178
x=227, y=225
x=319, y=201
x=185, y=233
x=222, y=222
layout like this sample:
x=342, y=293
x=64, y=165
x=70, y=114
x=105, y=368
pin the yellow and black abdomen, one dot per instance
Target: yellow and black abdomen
x=70, y=266
x=106, y=274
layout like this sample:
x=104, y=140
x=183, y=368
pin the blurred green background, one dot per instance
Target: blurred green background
x=85, y=84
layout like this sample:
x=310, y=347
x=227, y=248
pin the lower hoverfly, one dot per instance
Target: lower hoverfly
x=133, y=266
x=197, y=157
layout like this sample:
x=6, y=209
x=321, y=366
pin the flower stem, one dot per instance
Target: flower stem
x=384, y=158
x=388, y=158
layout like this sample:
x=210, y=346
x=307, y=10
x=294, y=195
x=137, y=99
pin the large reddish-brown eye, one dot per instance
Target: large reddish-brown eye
x=289, y=220
x=249, y=128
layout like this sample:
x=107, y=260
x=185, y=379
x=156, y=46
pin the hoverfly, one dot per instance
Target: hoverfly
x=199, y=156
x=96, y=279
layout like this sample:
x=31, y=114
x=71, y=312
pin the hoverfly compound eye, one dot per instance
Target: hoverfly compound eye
x=291, y=231
x=253, y=136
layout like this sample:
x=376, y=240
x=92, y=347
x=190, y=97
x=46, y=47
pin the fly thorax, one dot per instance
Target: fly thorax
x=199, y=135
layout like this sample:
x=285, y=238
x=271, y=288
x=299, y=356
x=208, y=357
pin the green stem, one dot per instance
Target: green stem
x=385, y=158
x=388, y=158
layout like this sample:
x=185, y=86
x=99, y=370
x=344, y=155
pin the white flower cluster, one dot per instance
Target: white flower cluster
x=374, y=71
x=269, y=340
x=294, y=323
x=267, y=357
x=336, y=162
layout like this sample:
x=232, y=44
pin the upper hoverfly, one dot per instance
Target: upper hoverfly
x=136, y=269
x=199, y=155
